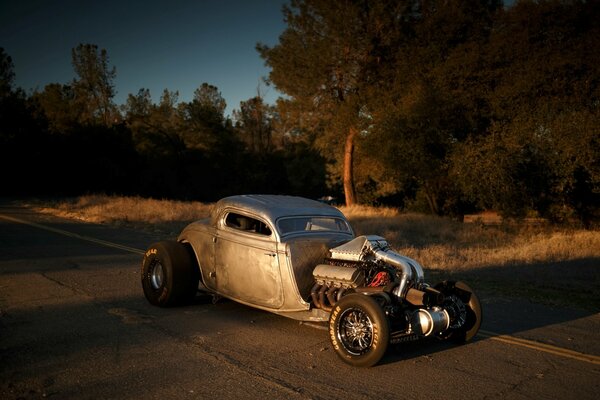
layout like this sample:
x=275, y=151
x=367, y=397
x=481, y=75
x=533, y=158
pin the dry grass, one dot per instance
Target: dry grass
x=163, y=216
x=534, y=261
x=441, y=243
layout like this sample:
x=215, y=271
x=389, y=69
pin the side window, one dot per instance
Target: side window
x=247, y=224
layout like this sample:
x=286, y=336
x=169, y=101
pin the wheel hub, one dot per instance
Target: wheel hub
x=457, y=310
x=355, y=331
x=156, y=275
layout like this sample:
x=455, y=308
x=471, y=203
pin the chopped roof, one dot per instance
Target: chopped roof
x=272, y=207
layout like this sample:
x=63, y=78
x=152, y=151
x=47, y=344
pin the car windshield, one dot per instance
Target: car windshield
x=302, y=224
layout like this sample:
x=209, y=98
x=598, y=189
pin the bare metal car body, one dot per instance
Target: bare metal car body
x=269, y=269
x=300, y=258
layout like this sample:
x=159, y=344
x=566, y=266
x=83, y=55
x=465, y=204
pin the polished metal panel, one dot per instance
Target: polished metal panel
x=303, y=254
x=201, y=237
x=261, y=267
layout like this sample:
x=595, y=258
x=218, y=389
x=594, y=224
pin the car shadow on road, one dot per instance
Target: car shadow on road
x=419, y=349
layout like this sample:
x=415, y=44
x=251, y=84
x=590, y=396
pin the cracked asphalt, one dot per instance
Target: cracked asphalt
x=74, y=324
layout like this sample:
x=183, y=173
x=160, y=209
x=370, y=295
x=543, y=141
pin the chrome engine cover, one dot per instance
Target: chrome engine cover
x=359, y=249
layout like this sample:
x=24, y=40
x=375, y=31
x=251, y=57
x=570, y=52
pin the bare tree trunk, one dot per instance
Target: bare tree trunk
x=349, y=190
x=431, y=200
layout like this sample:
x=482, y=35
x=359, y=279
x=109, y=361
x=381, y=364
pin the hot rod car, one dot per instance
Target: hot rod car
x=300, y=258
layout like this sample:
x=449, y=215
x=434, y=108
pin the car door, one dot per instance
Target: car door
x=247, y=262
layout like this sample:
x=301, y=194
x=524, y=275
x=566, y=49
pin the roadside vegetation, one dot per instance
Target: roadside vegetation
x=412, y=104
x=547, y=263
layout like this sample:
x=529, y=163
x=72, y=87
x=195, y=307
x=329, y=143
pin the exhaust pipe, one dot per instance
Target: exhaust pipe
x=315, y=296
x=430, y=321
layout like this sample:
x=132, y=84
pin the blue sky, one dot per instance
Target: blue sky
x=175, y=44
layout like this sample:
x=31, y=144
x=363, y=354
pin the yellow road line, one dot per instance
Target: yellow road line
x=74, y=235
x=546, y=348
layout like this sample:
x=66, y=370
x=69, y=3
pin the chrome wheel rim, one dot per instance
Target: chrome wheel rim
x=355, y=331
x=157, y=275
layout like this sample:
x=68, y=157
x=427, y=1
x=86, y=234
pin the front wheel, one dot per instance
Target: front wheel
x=169, y=274
x=464, y=309
x=359, y=330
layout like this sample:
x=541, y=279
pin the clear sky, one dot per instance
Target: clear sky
x=176, y=44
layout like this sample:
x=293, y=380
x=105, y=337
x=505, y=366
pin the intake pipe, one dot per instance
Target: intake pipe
x=406, y=265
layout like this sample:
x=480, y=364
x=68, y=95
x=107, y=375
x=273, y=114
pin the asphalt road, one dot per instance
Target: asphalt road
x=74, y=324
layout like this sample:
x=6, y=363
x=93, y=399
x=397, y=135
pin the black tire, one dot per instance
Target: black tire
x=463, y=304
x=359, y=330
x=169, y=274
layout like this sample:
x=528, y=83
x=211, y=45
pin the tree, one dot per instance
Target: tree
x=254, y=124
x=327, y=59
x=138, y=112
x=541, y=77
x=23, y=139
x=419, y=130
x=7, y=74
x=139, y=105
x=425, y=102
x=208, y=97
x=94, y=86
x=163, y=128
x=204, y=118
x=59, y=107
x=17, y=123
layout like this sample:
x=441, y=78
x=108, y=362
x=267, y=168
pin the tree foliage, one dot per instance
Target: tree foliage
x=7, y=74
x=440, y=106
x=254, y=123
x=461, y=104
x=542, y=79
x=94, y=85
x=57, y=103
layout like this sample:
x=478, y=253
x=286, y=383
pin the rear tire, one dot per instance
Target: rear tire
x=359, y=330
x=462, y=301
x=169, y=274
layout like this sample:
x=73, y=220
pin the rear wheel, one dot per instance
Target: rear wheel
x=464, y=309
x=169, y=274
x=359, y=330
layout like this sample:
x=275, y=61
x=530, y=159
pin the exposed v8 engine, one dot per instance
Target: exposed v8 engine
x=413, y=309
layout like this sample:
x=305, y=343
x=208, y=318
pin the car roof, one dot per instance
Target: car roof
x=272, y=207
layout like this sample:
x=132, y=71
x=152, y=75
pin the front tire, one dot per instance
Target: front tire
x=169, y=274
x=359, y=330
